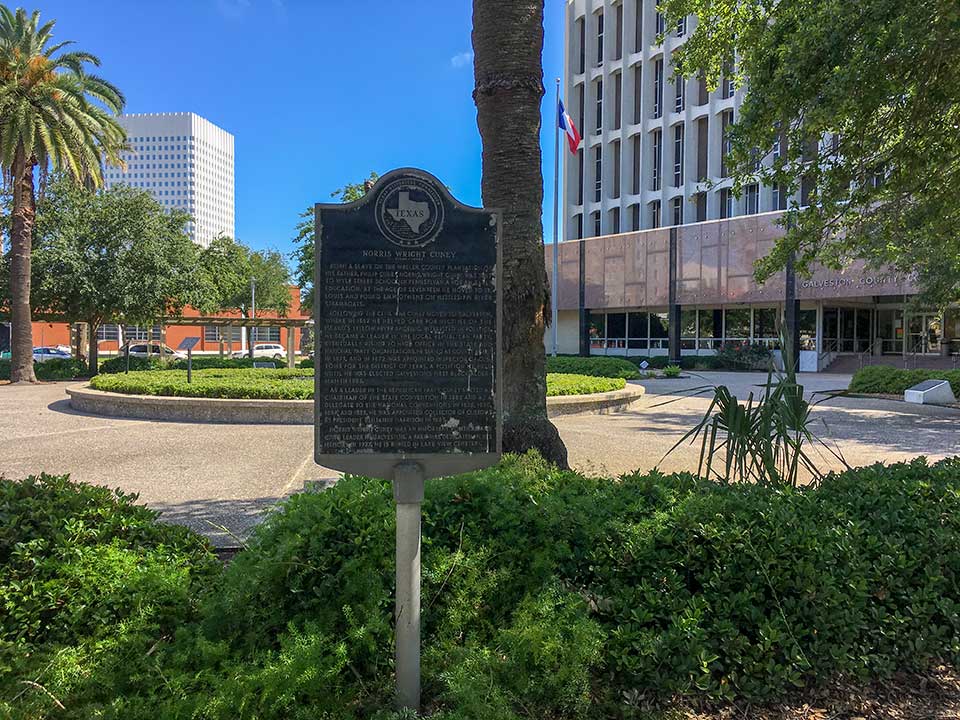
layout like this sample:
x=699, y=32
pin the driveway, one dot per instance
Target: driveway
x=219, y=479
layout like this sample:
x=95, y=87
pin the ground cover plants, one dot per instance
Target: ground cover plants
x=598, y=366
x=56, y=369
x=546, y=594
x=281, y=383
x=885, y=380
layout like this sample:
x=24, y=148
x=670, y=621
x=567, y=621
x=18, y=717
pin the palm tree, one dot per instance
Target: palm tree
x=48, y=121
x=508, y=71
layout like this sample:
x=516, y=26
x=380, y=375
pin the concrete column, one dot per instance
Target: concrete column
x=673, y=311
x=583, y=315
x=791, y=313
x=291, y=350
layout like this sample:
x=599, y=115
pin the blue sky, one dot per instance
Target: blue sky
x=317, y=93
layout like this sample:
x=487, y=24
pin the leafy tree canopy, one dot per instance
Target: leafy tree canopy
x=865, y=99
x=115, y=255
x=229, y=266
x=303, y=256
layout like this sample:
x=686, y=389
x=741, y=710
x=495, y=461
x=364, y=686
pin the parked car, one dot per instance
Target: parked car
x=42, y=354
x=140, y=350
x=275, y=351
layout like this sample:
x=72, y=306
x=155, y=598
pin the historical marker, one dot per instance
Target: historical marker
x=407, y=356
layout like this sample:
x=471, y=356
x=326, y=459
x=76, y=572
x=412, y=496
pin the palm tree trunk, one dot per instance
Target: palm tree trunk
x=508, y=71
x=21, y=241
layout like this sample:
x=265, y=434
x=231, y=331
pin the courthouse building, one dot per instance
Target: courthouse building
x=657, y=254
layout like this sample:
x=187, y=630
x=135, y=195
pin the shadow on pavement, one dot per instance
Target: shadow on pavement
x=226, y=523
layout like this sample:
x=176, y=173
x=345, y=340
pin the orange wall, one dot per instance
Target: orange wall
x=45, y=333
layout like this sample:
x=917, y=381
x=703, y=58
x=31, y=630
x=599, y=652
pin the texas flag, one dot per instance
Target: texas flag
x=566, y=124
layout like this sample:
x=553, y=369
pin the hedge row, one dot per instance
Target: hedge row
x=608, y=367
x=56, y=369
x=281, y=384
x=882, y=379
x=200, y=362
x=567, y=384
x=546, y=594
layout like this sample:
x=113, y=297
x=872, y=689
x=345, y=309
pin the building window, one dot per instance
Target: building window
x=678, y=156
x=676, y=207
x=701, y=207
x=806, y=190
x=679, y=85
x=726, y=203
x=580, y=177
x=661, y=26
x=135, y=332
x=599, y=38
x=638, y=34
x=682, y=26
x=213, y=333
x=636, y=164
x=657, y=150
x=737, y=324
x=618, y=41
x=726, y=120
x=727, y=87
x=598, y=173
x=655, y=214
x=579, y=226
x=635, y=217
x=615, y=221
x=599, y=127
x=765, y=323
x=752, y=199
x=658, y=88
x=617, y=99
x=779, y=197
x=108, y=332
x=616, y=169
x=596, y=224
x=637, y=93
x=266, y=334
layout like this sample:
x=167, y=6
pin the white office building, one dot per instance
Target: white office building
x=185, y=162
x=652, y=154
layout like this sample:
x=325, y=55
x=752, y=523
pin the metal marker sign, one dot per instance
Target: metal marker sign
x=407, y=357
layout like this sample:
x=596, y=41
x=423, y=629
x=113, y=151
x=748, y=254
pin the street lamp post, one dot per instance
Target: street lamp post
x=253, y=313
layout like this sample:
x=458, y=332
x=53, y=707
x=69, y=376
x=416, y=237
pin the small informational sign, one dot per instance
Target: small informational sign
x=188, y=343
x=407, y=316
x=930, y=392
x=408, y=331
x=644, y=365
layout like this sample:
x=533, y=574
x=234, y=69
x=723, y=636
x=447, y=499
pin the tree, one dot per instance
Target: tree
x=231, y=268
x=303, y=257
x=507, y=45
x=47, y=120
x=864, y=99
x=112, y=256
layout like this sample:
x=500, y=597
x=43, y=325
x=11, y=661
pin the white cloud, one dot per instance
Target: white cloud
x=462, y=59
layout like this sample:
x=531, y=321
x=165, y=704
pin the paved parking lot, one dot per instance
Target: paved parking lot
x=219, y=479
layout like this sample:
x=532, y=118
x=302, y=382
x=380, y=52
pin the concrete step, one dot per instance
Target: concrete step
x=848, y=364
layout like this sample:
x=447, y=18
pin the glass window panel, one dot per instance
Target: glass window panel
x=597, y=325
x=639, y=328
x=706, y=324
x=659, y=325
x=737, y=323
x=616, y=325
x=688, y=323
x=765, y=323
x=637, y=344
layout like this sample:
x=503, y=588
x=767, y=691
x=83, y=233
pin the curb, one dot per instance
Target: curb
x=287, y=412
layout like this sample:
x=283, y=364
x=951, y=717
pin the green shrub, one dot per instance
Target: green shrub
x=743, y=356
x=671, y=371
x=598, y=366
x=137, y=364
x=305, y=363
x=883, y=379
x=546, y=594
x=563, y=384
x=200, y=362
x=56, y=369
x=263, y=384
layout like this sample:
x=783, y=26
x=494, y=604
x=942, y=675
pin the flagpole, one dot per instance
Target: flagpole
x=556, y=216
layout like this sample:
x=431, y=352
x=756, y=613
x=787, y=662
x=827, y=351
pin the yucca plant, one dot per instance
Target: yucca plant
x=764, y=439
x=53, y=114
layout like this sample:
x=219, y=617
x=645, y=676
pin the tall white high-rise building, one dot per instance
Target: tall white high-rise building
x=185, y=162
x=653, y=148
